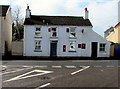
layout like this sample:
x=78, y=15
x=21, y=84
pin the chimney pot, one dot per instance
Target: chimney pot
x=86, y=13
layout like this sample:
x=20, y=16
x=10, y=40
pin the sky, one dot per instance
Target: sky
x=102, y=13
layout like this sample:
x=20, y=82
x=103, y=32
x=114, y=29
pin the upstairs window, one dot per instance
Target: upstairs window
x=102, y=47
x=38, y=32
x=72, y=46
x=37, y=45
x=53, y=32
x=72, y=32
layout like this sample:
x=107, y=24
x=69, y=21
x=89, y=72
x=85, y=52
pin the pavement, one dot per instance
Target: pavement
x=81, y=74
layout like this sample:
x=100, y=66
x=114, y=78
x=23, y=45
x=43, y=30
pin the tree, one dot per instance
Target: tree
x=17, y=33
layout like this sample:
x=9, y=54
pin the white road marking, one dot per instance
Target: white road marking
x=91, y=61
x=16, y=71
x=56, y=66
x=70, y=66
x=24, y=76
x=42, y=66
x=43, y=86
x=80, y=70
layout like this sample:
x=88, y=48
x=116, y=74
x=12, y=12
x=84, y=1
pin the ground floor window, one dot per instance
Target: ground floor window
x=37, y=45
x=102, y=47
x=72, y=46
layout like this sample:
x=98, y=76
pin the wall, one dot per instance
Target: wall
x=17, y=48
x=63, y=39
x=7, y=32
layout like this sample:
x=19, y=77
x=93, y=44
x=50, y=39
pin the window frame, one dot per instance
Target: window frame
x=71, y=32
x=52, y=31
x=37, y=47
x=38, y=32
x=102, y=47
x=74, y=46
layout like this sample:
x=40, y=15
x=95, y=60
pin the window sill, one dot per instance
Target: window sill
x=71, y=51
x=37, y=50
x=72, y=37
x=38, y=37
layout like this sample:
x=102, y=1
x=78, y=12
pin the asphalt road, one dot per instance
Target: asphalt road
x=38, y=77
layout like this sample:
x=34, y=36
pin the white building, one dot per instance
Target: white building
x=62, y=36
x=5, y=29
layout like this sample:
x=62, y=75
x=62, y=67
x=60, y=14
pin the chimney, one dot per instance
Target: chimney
x=28, y=12
x=86, y=13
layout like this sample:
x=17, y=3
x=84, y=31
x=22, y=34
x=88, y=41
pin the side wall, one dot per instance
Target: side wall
x=87, y=37
x=7, y=32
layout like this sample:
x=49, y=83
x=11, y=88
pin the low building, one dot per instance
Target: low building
x=62, y=36
x=5, y=29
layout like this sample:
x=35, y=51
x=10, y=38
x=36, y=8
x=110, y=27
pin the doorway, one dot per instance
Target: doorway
x=53, y=49
x=94, y=49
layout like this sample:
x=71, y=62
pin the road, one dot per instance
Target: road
x=39, y=74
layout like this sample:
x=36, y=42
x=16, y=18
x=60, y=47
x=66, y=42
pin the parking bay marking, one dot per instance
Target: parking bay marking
x=80, y=70
x=43, y=86
x=16, y=70
x=24, y=76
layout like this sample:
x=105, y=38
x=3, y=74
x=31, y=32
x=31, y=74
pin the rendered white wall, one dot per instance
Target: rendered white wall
x=63, y=39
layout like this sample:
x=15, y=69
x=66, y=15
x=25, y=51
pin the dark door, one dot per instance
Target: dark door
x=117, y=51
x=94, y=49
x=53, y=49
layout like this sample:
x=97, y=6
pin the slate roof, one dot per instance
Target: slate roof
x=3, y=10
x=57, y=20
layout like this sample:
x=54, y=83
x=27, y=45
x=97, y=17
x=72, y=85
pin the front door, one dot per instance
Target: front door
x=53, y=49
x=94, y=49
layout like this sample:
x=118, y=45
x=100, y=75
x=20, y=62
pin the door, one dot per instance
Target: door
x=117, y=51
x=94, y=49
x=53, y=49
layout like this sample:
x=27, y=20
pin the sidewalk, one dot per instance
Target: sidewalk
x=57, y=58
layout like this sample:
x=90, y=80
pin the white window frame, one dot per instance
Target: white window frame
x=72, y=32
x=72, y=49
x=53, y=32
x=102, y=47
x=37, y=45
x=38, y=32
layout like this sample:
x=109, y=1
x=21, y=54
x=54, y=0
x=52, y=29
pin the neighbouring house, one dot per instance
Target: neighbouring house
x=5, y=29
x=113, y=34
x=62, y=36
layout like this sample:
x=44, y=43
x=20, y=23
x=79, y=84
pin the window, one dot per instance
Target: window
x=72, y=46
x=83, y=46
x=37, y=45
x=72, y=32
x=38, y=32
x=53, y=32
x=102, y=47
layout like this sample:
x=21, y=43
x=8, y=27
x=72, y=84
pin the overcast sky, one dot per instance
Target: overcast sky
x=102, y=13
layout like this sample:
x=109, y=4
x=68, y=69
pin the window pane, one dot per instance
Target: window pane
x=72, y=46
x=37, y=29
x=102, y=47
x=72, y=29
x=37, y=45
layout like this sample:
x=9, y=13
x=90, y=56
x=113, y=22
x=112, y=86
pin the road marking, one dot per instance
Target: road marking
x=97, y=66
x=42, y=66
x=80, y=70
x=91, y=61
x=16, y=71
x=24, y=76
x=56, y=66
x=70, y=66
x=43, y=86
